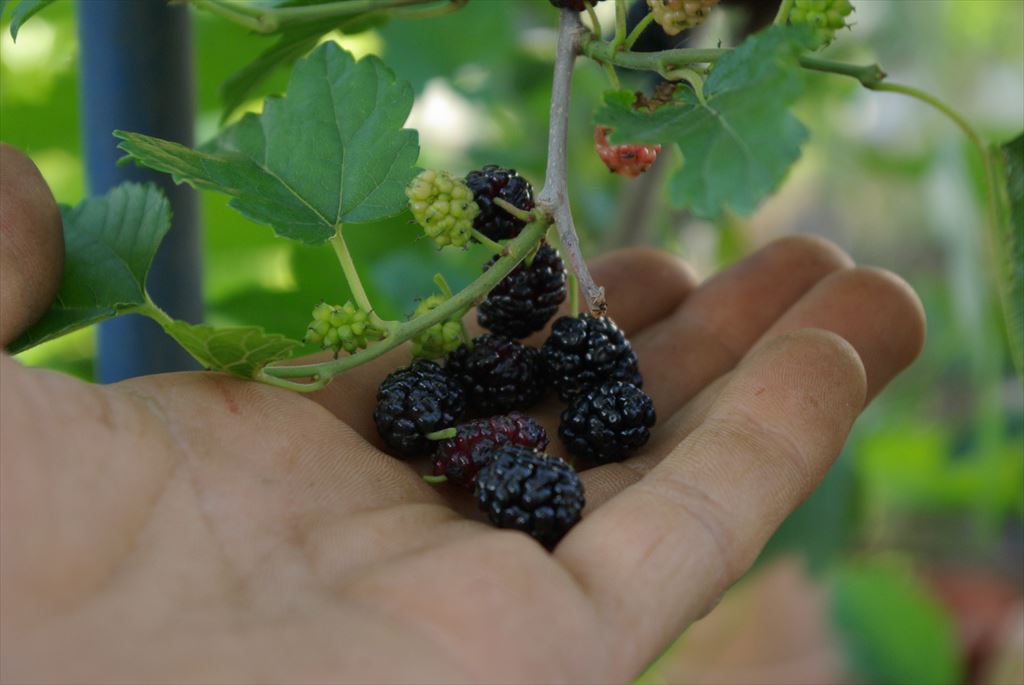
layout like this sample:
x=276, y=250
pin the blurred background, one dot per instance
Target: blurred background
x=907, y=565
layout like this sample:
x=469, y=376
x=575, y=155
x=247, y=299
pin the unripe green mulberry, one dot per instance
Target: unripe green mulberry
x=443, y=205
x=441, y=338
x=675, y=16
x=826, y=16
x=341, y=327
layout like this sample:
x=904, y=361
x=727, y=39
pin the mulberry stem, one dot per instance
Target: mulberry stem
x=442, y=434
x=518, y=248
x=553, y=199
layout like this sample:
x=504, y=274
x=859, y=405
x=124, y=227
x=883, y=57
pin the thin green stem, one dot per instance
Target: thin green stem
x=872, y=77
x=613, y=78
x=533, y=253
x=867, y=74
x=521, y=214
x=435, y=480
x=938, y=104
x=443, y=434
x=352, y=276
x=228, y=11
x=594, y=21
x=783, y=14
x=574, y=295
x=661, y=62
x=494, y=246
x=517, y=248
x=443, y=286
x=988, y=163
x=446, y=290
x=317, y=383
x=428, y=12
x=638, y=30
x=691, y=77
x=620, y=25
x=152, y=310
x=271, y=19
x=339, y=8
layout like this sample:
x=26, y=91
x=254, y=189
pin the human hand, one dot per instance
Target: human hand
x=196, y=527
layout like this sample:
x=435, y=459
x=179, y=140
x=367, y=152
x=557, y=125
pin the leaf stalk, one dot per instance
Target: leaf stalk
x=355, y=284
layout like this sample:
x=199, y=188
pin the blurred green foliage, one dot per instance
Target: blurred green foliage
x=920, y=647
x=889, y=180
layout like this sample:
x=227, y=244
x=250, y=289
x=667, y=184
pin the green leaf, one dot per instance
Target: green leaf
x=24, y=11
x=893, y=631
x=331, y=151
x=109, y=244
x=740, y=142
x=1009, y=163
x=241, y=351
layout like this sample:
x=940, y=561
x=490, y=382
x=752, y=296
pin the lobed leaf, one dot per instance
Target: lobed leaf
x=740, y=142
x=241, y=351
x=109, y=244
x=333, y=150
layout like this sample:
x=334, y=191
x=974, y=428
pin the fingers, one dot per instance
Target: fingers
x=643, y=285
x=31, y=244
x=655, y=556
x=874, y=310
x=712, y=329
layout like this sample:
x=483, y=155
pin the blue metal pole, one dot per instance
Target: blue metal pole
x=136, y=75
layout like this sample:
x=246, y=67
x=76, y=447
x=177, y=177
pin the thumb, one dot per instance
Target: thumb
x=31, y=244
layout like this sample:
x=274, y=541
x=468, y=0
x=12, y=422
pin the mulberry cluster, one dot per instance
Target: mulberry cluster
x=826, y=16
x=414, y=402
x=499, y=453
x=440, y=338
x=493, y=182
x=341, y=327
x=530, y=491
x=461, y=457
x=525, y=300
x=497, y=374
x=675, y=16
x=584, y=351
x=443, y=206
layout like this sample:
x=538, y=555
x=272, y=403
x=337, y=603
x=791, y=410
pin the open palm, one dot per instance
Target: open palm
x=196, y=527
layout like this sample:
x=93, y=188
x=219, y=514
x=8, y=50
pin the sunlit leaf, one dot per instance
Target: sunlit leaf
x=241, y=351
x=109, y=244
x=331, y=151
x=739, y=143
